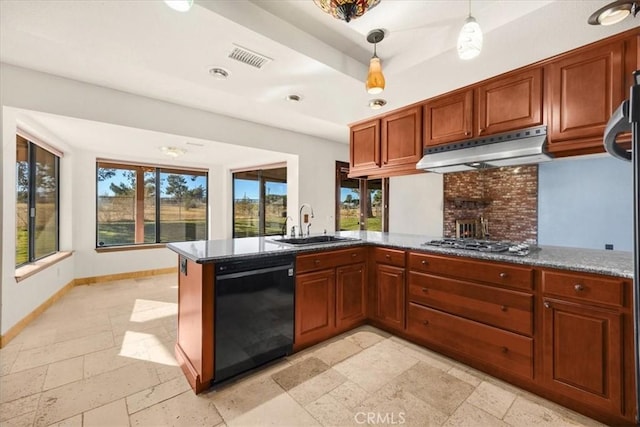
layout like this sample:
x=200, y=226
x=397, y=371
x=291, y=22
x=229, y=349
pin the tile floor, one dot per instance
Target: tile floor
x=103, y=355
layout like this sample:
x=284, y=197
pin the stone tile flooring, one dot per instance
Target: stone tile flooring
x=103, y=355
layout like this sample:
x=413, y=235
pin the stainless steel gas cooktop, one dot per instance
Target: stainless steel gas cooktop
x=519, y=249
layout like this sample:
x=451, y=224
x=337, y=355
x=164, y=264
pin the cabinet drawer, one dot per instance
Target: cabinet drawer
x=504, y=350
x=389, y=256
x=321, y=260
x=494, y=306
x=483, y=271
x=597, y=290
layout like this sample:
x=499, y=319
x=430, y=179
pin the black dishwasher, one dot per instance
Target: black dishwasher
x=253, y=314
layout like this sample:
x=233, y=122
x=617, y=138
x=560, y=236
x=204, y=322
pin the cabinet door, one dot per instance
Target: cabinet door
x=584, y=89
x=350, y=296
x=510, y=103
x=365, y=147
x=402, y=138
x=448, y=118
x=315, y=307
x=582, y=352
x=389, y=296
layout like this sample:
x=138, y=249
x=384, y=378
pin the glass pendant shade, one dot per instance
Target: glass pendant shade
x=346, y=10
x=179, y=5
x=375, y=78
x=470, y=39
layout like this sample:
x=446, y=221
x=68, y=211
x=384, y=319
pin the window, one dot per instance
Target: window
x=259, y=202
x=354, y=212
x=130, y=210
x=37, y=205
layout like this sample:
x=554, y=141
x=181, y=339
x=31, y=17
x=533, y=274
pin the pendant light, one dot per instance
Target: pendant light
x=375, y=78
x=179, y=5
x=614, y=12
x=346, y=10
x=470, y=38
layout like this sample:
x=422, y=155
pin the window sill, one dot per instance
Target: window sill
x=130, y=247
x=34, y=267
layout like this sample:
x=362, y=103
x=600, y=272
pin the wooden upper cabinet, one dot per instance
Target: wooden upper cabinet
x=583, y=89
x=365, y=146
x=448, y=118
x=509, y=103
x=402, y=137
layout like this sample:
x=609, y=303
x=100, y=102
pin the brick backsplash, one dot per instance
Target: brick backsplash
x=506, y=197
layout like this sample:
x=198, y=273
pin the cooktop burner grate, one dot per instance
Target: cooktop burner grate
x=520, y=249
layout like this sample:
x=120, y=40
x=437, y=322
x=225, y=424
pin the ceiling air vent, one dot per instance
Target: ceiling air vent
x=248, y=57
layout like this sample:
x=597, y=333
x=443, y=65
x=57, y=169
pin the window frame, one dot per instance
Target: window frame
x=32, y=145
x=139, y=196
x=343, y=167
x=262, y=217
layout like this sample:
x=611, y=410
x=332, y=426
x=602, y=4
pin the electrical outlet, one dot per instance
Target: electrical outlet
x=608, y=246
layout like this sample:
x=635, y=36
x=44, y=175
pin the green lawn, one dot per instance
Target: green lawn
x=123, y=232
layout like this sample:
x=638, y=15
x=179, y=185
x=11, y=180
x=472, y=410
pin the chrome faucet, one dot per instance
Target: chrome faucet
x=300, y=232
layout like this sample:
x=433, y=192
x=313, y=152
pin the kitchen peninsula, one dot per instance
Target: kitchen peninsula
x=557, y=322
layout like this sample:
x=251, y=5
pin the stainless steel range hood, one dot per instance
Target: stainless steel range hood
x=521, y=147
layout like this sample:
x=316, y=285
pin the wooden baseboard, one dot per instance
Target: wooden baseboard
x=121, y=276
x=18, y=327
x=189, y=371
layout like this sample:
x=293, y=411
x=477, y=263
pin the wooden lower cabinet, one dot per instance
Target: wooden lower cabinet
x=331, y=294
x=389, y=295
x=505, y=350
x=582, y=352
x=351, y=296
x=315, y=306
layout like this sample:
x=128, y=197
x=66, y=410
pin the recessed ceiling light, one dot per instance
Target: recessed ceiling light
x=293, y=98
x=173, y=151
x=219, y=73
x=179, y=5
x=376, y=104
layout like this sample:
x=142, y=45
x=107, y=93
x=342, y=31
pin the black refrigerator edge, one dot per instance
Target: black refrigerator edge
x=627, y=118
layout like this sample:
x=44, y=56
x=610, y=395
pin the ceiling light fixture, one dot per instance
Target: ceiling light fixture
x=346, y=10
x=179, y=5
x=614, y=12
x=376, y=104
x=173, y=151
x=375, y=79
x=470, y=38
x=293, y=98
x=219, y=73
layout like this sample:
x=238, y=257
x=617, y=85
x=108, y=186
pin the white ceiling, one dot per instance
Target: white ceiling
x=143, y=47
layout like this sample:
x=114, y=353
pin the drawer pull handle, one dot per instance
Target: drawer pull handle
x=316, y=261
x=425, y=323
x=547, y=304
x=578, y=287
x=505, y=349
x=387, y=256
x=424, y=262
x=503, y=307
x=425, y=290
x=503, y=275
x=353, y=255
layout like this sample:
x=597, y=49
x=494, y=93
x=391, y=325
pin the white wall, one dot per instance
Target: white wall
x=20, y=299
x=416, y=204
x=586, y=202
x=310, y=162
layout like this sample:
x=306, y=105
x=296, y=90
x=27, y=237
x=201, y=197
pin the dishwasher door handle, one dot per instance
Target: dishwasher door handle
x=248, y=273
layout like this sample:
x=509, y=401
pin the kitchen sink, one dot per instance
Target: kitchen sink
x=313, y=240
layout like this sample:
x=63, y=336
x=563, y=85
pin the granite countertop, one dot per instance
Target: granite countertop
x=611, y=263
